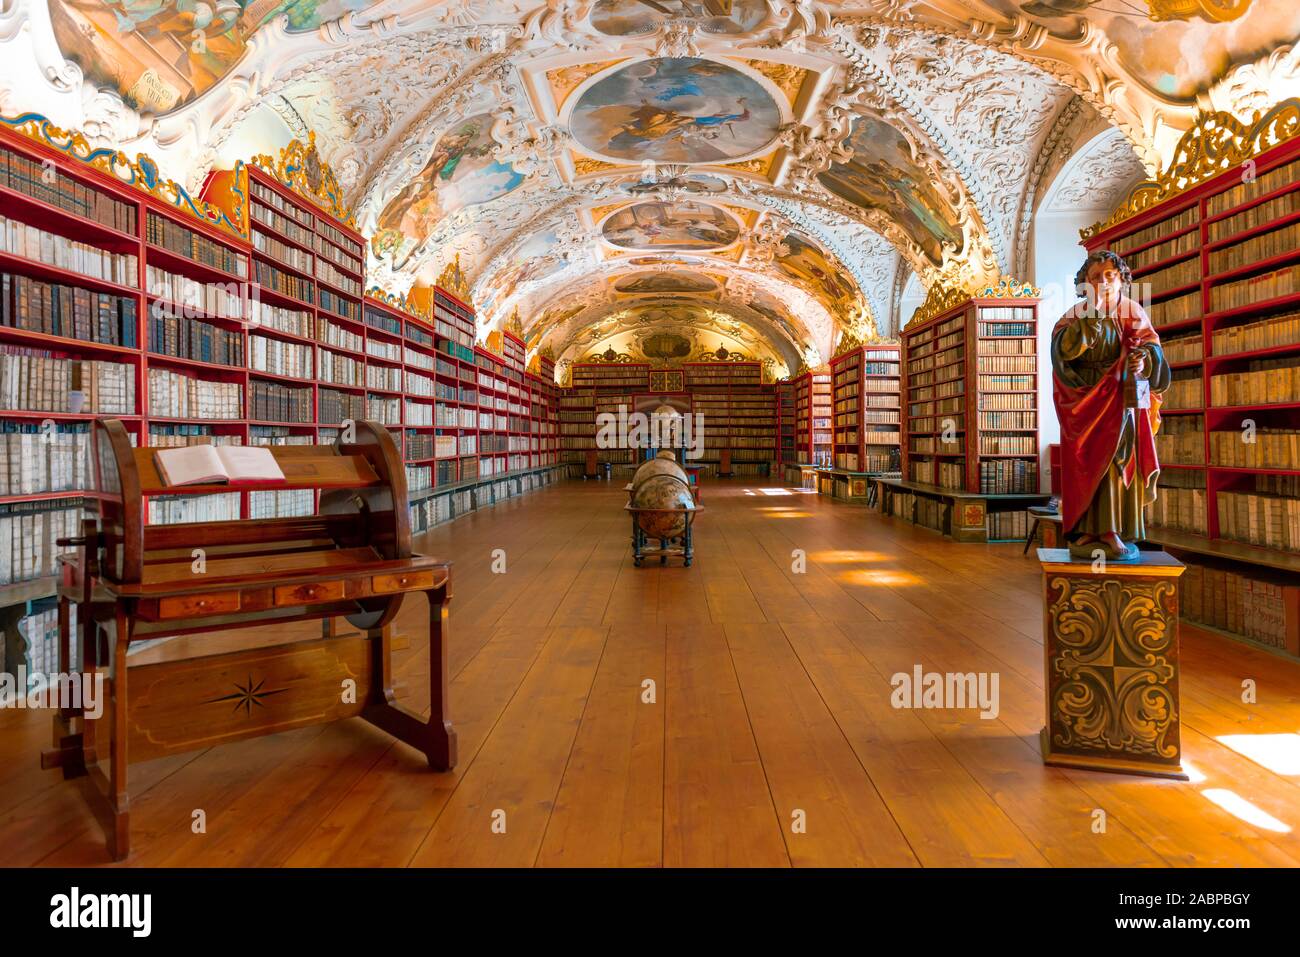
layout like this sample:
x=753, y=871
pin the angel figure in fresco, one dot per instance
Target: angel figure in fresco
x=1103, y=350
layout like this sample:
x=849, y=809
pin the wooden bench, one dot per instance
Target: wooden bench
x=132, y=582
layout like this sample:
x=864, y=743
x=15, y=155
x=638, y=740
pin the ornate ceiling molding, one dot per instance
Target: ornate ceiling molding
x=1217, y=142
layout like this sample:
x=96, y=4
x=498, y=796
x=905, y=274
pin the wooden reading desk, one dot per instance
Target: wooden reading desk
x=133, y=582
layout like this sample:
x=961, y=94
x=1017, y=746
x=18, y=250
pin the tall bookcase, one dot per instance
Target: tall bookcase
x=814, y=419
x=866, y=383
x=739, y=413
x=786, y=447
x=970, y=414
x=1219, y=254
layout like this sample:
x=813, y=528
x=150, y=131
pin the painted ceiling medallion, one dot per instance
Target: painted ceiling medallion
x=675, y=110
x=670, y=226
x=657, y=283
x=463, y=171
x=882, y=174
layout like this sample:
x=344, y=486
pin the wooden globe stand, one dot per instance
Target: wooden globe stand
x=681, y=545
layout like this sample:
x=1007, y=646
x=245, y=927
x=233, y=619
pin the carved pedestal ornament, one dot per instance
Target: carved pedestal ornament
x=1111, y=664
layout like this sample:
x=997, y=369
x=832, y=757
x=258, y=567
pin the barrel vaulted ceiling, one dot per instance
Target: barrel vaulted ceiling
x=662, y=177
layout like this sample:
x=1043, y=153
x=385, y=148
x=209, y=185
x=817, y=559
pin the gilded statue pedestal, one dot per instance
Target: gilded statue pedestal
x=1110, y=644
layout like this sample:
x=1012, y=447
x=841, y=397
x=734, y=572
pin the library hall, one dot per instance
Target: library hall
x=651, y=434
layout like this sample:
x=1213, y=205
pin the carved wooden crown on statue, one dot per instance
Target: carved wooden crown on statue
x=1216, y=142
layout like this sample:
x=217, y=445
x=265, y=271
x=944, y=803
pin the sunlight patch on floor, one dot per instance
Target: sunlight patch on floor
x=1280, y=753
x=1239, y=807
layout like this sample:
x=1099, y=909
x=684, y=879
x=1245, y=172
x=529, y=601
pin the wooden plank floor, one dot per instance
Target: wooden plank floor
x=734, y=713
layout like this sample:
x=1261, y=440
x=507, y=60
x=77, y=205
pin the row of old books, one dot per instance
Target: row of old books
x=384, y=408
x=1266, y=382
x=295, y=257
x=38, y=381
x=1186, y=390
x=1007, y=526
x=40, y=245
x=996, y=421
x=1165, y=250
x=1181, y=440
x=1252, y=604
x=36, y=457
x=180, y=396
x=272, y=198
x=49, y=184
x=336, y=406
x=1180, y=509
x=1259, y=518
x=1006, y=347
x=1283, y=330
x=1151, y=233
x=326, y=272
x=1008, y=363
x=1258, y=215
x=40, y=633
x=326, y=246
x=295, y=322
x=1170, y=277
x=339, y=305
x=184, y=509
x=1002, y=444
x=282, y=503
x=1176, y=309
x=188, y=297
x=1252, y=188
x=278, y=357
x=72, y=312
x=1007, y=401
x=287, y=284
x=192, y=339
x=1185, y=349
x=1264, y=246
x=1256, y=289
x=343, y=370
x=1006, y=383
x=167, y=435
x=274, y=402
x=169, y=234
x=1256, y=448
x=283, y=225
x=418, y=477
x=28, y=531
x=1008, y=476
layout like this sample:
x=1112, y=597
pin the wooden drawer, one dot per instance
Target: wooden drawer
x=193, y=606
x=407, y=581
x=308, y=594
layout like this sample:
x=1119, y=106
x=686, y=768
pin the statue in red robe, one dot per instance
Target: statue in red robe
x=1108, y=450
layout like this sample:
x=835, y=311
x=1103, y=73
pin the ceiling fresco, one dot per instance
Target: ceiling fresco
x=674, y=227
x=773, y=171
x=675, y=110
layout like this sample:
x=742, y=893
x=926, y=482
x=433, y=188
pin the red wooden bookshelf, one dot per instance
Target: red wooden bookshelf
x=1240, y=239
x=866, y=388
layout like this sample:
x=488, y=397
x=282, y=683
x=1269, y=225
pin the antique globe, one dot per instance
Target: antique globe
x=659, y=465
x=667, y=492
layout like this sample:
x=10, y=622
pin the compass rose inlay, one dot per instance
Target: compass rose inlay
x=248, y=694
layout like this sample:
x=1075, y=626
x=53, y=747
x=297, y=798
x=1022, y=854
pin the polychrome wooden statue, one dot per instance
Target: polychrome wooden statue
x=1108, y=373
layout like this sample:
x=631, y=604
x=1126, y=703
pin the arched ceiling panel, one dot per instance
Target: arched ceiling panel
x=773, y=164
